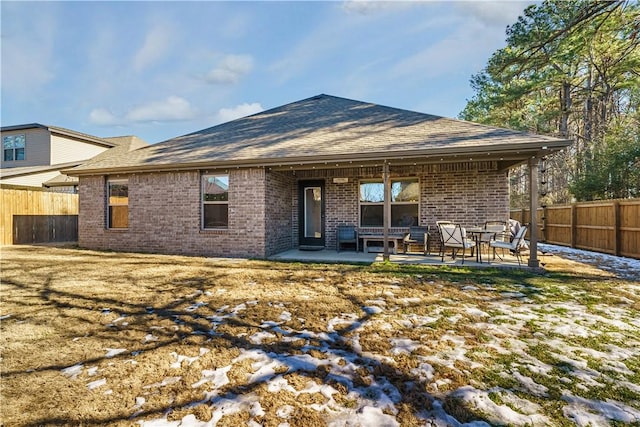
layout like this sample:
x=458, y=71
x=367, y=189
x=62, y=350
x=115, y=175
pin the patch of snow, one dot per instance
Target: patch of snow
x=411, y=300
x=344, y=319
x=217, y=377
x=586, y=412
x=284, y=411
x=372, y=309
x=113, y=352
x=285, y=316
x=496, y=414
x=529, y=385
x=403, y=345
x=73, y=371
x=194, y=307
x=476, y=312
x=625, y=268
x=180, y=358
x=97, y=383
x=149, y=338
x=258, y=337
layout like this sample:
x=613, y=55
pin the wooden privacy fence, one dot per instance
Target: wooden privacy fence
x=35, y=216
x=609, y=226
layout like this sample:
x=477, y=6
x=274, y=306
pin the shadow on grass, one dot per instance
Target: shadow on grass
x=411, y=395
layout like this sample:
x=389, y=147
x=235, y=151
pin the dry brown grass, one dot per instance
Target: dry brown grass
x=64, y=307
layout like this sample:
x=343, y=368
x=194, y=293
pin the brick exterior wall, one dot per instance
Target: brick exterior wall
x=165, y=208
x=469, y=193
x=279, y=202
x=165, y=215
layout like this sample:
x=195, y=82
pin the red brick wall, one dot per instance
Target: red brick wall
x=164, y=215
x=468, y=193
x=165, y=208
x=279, y=198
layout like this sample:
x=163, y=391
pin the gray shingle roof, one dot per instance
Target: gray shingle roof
x=61, y=131
x=318, y=129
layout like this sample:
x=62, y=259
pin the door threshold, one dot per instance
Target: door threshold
x=310, y=248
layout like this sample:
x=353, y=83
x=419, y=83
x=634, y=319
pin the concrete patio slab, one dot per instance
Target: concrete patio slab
x=331, y=256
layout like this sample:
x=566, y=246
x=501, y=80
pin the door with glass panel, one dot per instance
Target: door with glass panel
x=311, y=214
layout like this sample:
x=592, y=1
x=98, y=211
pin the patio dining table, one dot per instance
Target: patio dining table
x=476, y=234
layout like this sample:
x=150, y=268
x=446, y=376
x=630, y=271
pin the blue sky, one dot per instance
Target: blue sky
x=162, y=69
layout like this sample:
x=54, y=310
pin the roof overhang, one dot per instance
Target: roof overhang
x=505, y=155
x=62, y=132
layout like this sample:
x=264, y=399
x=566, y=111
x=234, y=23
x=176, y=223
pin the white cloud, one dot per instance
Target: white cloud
x=493, y=13
x=368, y=7
x=102, y=117
x=156, y=43
x=230, y=69
x=174, y=108
x=242, y=110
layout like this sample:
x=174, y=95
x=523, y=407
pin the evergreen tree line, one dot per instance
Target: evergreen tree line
x=570, y=69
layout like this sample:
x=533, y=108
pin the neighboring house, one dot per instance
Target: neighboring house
x=34, y=154
x=286, y=177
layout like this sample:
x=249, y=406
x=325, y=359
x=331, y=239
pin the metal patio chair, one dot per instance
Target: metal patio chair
x=515, y=246
x=454, y=236
x=496, y=230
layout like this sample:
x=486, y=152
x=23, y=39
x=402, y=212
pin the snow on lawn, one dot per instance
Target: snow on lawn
x=626, y=268
x=453, y=354
x=365, y=388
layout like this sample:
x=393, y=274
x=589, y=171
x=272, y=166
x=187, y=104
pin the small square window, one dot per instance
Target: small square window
x=13, y=147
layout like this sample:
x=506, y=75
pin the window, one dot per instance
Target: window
x=215, y=201
x=404, y=202
x=13, y=147
x=118, y=211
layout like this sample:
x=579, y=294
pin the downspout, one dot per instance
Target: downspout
x=533, y=210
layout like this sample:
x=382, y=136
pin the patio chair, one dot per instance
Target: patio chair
x=454, y=236
x=417, y=236
x=515, y=246
x=495, y=231
x=440, y=240
x=347, y=234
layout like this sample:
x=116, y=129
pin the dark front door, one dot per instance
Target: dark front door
x=311, y=214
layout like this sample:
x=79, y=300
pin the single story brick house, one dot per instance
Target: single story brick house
x=286, y=177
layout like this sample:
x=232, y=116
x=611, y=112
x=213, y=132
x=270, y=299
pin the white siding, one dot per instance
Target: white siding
x=36, y=150
x=65, y=150
x=33, y=180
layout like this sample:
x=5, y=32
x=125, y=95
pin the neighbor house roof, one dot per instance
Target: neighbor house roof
x=61, y=131
x=329, y=129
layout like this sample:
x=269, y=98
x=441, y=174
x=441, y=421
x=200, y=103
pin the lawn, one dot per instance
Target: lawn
x=95, y=338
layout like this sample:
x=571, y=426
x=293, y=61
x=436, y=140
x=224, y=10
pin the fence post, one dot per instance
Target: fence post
x=616, y=228
x=574, y=228
x=543, y=235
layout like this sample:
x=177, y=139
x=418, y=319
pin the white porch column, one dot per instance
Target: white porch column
x=533, y=210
